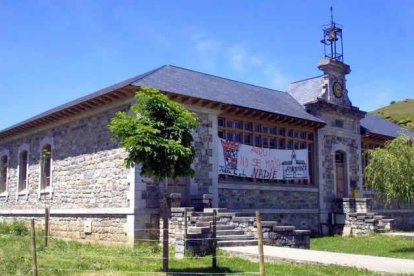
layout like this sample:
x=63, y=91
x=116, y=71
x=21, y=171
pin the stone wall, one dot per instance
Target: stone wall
x=91, y=189
x=288, y=205
x=401, y=212
x=97, y=229
x=87, y=167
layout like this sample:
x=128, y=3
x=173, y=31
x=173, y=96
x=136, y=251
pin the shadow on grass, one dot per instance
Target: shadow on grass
x=404, y=250
x=187, y=271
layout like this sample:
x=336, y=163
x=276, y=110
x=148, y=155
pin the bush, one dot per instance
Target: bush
x=17, y=228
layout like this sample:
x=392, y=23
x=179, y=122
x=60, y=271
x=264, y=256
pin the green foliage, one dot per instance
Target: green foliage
x=390, y=170
x=16, y=227
x=72, y=258
x=157, y=133
x=373, y=245
x=399, y=112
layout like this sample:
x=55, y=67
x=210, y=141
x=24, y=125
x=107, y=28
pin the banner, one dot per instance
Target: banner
x=262, y=163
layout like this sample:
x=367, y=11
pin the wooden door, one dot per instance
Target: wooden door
x=340, y=174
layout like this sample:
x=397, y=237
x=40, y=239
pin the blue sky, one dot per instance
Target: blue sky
x=53, y=51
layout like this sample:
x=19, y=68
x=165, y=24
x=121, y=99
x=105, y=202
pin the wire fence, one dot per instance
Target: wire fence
x=151, y=259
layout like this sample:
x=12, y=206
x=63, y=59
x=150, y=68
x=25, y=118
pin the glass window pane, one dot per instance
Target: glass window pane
x=248, y=126
x=237, y=137
x=248, y=139
x=272, y=143
x=257, y=141
x=221, y=122
x=282, y=144
x=264, y=142
x=229, y=124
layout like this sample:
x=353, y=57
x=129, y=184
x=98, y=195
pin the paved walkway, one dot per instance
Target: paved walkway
x=377, y=264
x=408, y=235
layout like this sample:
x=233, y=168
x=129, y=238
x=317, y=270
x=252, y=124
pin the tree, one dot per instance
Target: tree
x=157, y=134
x=390, y=170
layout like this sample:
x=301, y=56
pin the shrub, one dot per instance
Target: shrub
x=16, y=227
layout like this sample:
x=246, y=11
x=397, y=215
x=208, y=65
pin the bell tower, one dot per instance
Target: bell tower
x=334, y=87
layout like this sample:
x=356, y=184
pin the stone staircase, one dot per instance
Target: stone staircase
x=226, y=232
x=192, y=231
x=354, y=217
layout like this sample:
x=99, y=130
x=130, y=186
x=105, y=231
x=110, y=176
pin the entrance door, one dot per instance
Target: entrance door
x=340, y=174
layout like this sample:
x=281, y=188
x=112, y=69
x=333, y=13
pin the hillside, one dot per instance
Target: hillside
x=401, y=112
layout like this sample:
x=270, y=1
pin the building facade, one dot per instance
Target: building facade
x=64, y=158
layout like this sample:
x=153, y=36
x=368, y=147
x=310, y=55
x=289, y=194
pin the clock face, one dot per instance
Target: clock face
x=337, y=90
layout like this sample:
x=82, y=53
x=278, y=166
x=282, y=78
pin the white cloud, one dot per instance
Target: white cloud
x=372, y=95
x=213, y=54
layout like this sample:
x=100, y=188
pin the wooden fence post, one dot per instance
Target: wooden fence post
x=165, y=244
x=214, y=237
x=46, y=226
x=34, y=258
x=260, y=243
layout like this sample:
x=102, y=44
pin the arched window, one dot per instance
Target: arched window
x=3, y=173
x=23, y=164
x=46, y=166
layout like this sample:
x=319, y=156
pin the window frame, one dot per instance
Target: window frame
x=25, y=191
x=284, y=135
x=48, y=190
x=5, y=193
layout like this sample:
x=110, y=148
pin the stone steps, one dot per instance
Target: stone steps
x=241, y=237
x=208, y=223
x=229, y=232
x=229, y=243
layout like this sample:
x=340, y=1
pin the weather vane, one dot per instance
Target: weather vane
x=332, y=40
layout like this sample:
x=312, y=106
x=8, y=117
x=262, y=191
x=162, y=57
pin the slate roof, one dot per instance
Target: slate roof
x=187, y=82
x=312, y=86
x=204, y=86
x=375, y=124
x=79, y=100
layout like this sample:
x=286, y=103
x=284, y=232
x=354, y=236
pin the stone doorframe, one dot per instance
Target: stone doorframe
x=343, y=149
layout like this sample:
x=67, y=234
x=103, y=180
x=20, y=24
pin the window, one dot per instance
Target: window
x=45, y=166
x=267, y=135
x=3, y=173
x=23, y=164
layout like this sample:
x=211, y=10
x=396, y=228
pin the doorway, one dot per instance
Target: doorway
x=340, y=169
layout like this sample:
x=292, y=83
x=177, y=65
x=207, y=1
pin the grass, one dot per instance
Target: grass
x=401, y=112
x=375, y=245
x=72, y=258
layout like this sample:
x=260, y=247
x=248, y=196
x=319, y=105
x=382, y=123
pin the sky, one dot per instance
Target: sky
x=52, y=52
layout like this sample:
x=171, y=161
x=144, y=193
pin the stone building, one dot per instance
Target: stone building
x=303, y=150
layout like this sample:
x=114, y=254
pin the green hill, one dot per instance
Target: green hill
x=401, y=112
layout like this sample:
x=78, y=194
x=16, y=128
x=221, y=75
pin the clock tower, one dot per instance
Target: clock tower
x=334, y=84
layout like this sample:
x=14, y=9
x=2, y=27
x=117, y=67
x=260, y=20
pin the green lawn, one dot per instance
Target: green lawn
x=72, y=258
x=375, y=245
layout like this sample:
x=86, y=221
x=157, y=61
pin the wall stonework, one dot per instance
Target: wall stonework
x=334, y=137
x=203, y=139
x=261, y=199
x=86, y=163
x=105, y=230
x=90, y=183
x=286, y=205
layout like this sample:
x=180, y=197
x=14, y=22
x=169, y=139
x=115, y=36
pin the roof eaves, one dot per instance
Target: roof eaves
x=90, y=96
